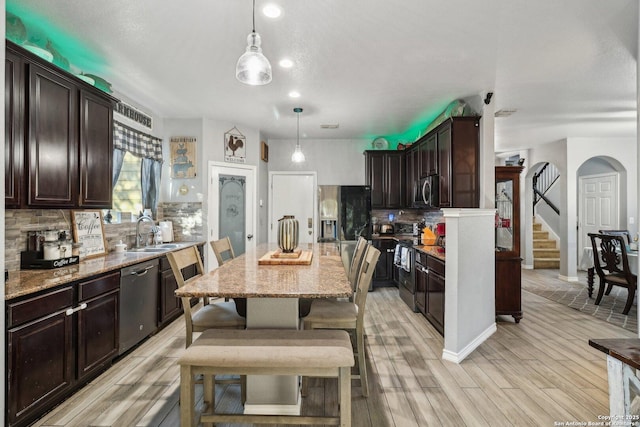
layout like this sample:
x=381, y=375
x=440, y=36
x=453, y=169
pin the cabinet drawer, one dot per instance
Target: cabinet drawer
x=39, y=306
x=435, y=265
x=98, y=286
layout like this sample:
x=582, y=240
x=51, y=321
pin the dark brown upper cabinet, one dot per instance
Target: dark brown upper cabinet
x=13, y=129
x=59, y=144
x=385, y=173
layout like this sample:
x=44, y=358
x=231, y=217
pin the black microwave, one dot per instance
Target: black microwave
x=425, y=192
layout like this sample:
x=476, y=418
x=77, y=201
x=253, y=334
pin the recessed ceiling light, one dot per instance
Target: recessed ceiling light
x=294, y=94
x=272, y=10
x=286, y=63
x=330, y=126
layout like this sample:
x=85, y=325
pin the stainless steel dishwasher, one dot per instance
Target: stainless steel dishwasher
x=138, y=303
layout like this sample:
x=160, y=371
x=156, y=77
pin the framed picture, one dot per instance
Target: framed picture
x=88, y=229
x=183, y=156
x=264, y=152
x=234, y=146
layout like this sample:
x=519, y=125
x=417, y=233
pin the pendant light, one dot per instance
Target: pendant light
x=298, y=155
x=253, y=68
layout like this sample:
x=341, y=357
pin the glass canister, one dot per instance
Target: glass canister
x=288, y=233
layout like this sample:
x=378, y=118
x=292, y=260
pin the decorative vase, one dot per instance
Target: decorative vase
x=288, y=233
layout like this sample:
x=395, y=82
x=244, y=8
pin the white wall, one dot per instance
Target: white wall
x=336, y=161
x=568, y=155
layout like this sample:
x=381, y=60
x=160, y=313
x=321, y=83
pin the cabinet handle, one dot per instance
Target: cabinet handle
x=142, y=272
x=70, y=311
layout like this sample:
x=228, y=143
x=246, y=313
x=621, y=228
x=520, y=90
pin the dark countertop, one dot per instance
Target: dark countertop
x=627, y=350
x=25, y=282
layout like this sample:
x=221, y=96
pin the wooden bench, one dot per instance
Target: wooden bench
x=317, y=353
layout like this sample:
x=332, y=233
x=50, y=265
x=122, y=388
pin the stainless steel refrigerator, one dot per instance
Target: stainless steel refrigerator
x=345, y=213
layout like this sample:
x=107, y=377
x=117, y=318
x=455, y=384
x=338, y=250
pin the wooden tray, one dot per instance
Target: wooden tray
x=303, y=259
x=279, y=254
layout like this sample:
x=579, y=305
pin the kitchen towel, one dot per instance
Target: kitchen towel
x=405, y=259
x=396, y=256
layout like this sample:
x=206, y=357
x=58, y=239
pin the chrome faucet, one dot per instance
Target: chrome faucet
x=139, y=239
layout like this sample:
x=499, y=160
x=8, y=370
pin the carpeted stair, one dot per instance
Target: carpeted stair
x=545, y=252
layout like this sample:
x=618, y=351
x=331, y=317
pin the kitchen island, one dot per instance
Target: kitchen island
x=272, y=293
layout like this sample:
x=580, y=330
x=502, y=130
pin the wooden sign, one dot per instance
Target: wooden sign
x=88, y=229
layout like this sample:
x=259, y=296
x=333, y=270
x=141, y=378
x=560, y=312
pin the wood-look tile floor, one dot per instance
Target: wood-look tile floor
x=534, y=373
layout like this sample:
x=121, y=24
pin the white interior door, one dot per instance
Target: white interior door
x=598, y=206
x=293, y=193
x=232, y=194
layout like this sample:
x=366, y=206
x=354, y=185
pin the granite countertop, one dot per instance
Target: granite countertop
x=434, y=251
x=25, y=282
x=243, y=277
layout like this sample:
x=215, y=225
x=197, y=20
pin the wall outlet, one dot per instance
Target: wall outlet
x=632, y=220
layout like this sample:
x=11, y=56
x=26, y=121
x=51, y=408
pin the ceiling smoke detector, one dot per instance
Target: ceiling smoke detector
x=330, y=126
x=505, y=112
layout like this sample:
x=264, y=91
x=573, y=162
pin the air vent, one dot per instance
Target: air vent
x=504, y=112
x=331, y=126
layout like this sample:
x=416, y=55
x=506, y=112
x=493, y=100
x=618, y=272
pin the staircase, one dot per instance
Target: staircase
x=545, y=252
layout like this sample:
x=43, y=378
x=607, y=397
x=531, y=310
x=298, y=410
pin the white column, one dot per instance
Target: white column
x=469, y=297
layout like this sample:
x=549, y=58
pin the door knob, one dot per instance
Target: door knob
x=249, y=236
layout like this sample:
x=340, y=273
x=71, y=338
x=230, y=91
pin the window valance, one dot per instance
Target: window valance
x=137, y=143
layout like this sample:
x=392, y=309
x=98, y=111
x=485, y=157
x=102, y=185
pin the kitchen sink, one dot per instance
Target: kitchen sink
x=150, y=249
x=164, y=247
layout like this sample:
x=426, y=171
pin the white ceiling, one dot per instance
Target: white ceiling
x=375, y=67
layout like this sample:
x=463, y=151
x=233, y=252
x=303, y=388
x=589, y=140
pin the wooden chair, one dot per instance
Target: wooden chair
x=334, y=314
x=356, y=261
x=612, y=266
x=219, y=315
x=624, y=233
x=223, y=250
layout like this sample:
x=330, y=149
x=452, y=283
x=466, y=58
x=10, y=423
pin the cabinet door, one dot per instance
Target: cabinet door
x=429, y=156
x=98, y=325
x=395, y=180
x=40, y=359
x=52, y=139
x=384, y=268
x=375, y=170
x=421, y=288
x=96, y=151
x=170, y=305
x=412, y=164
x=435, y=301
x=444, y=165
x=13, y=129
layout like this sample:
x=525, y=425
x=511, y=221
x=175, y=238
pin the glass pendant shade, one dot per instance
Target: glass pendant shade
x=298, y=155
x=253, y=68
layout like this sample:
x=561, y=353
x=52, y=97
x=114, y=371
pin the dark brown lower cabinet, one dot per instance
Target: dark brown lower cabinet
x=435, y=293
x=170, y=307
x=40, y=354
x=56, y=342
x=508, y=282
x=98, y=326
x=383, y=275
x=422, y=276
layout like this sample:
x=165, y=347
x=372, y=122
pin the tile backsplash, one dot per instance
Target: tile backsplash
x=186, y=218
x=381, y=216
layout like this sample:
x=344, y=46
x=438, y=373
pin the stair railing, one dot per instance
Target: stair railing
x=543, y=180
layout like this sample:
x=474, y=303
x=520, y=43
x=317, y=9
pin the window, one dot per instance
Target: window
x=127, y=194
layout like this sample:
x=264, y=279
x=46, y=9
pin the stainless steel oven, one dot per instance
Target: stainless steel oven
x=404, y=263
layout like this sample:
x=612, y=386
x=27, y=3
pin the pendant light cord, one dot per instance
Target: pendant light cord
x=254, y=16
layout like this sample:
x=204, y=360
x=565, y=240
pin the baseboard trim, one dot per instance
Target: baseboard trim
x=527, y=266
x=569, y=278
x=460, y=356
